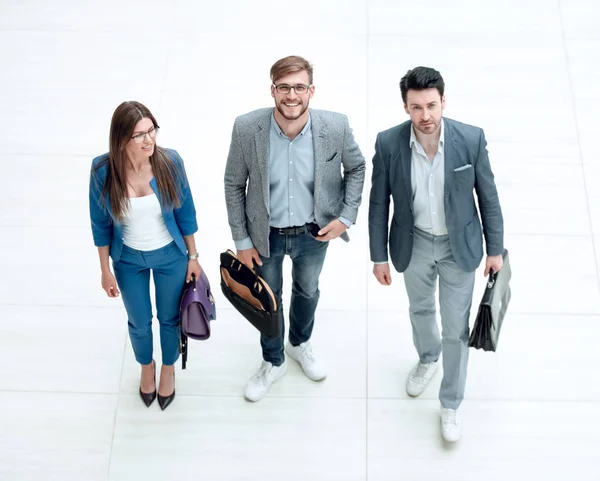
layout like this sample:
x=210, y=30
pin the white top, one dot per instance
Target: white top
x=144, y=228
x=428, y=186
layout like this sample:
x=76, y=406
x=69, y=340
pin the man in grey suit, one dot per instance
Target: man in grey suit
x=286, y=195
x=430, y=166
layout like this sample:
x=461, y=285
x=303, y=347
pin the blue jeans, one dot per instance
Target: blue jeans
x=132, y=271
x=307, y=255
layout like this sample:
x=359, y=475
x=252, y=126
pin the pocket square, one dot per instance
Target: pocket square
x=332, y=157
x=463, y=167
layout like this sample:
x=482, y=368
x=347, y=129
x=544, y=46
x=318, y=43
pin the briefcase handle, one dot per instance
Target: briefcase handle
x=493, y=274
x=238, y=264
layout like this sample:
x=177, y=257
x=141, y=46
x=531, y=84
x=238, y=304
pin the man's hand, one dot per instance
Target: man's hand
x=492, y=262
x=249, y=257
x=382, y=274
x=332, y=231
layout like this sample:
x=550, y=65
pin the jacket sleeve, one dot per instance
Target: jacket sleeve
x=99, y=217
x=236, y=178
x=379, y=206
x=489, y=204
x=354, y=175
x=185, y=214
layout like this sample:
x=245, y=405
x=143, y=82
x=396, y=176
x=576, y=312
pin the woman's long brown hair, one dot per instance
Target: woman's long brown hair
x=124, y=120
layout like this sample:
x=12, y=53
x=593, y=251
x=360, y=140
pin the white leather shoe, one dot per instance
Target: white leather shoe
x=419, y=377
x=310, y=365
x=451, y=425
x=260, y=383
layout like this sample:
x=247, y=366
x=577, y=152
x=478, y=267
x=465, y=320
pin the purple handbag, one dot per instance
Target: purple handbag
x=196, y=310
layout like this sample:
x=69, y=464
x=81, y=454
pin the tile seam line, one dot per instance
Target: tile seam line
x=578, y=133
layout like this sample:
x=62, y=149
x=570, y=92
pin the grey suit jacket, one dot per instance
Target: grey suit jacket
x=467, y=168
x=247, y=174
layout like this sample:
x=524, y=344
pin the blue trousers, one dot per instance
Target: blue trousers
x=132, y=271
x=307, y=255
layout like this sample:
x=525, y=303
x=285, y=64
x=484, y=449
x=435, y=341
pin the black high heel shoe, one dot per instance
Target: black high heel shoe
x=164, y=401
x=149, y=397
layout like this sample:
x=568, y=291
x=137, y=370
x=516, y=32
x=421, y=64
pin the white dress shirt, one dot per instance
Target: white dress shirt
x=427, y=180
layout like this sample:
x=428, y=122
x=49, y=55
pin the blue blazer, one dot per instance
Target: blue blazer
x=107, y=230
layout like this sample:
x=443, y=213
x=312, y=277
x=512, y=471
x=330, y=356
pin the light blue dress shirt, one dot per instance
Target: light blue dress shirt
x=291, y=176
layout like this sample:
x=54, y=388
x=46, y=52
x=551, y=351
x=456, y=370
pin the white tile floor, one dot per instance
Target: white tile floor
x=527, y=71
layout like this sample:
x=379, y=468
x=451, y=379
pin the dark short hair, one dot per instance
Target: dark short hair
x=421, y=78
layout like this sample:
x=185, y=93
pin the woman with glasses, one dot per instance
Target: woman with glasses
x=143, y=217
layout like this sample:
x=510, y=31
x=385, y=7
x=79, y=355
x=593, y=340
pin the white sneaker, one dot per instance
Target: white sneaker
x=419, y=377
x=451, y=425
x=259, y=384
x=304, y=355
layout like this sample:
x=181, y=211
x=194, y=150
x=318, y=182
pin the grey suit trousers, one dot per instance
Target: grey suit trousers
x=432, y=257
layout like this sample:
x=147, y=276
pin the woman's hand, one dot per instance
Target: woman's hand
x=193, y=268
x=109, y=284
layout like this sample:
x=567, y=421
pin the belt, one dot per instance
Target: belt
x=302, y=229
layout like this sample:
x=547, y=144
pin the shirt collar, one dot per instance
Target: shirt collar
x=278, y=131
x=413, y=137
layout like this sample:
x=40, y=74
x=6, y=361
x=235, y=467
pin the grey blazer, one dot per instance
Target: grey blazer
x=467, y=168
x=247, y=174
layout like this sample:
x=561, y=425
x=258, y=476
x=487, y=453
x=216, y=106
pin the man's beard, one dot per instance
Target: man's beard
x=286, y=116
x=429, y=129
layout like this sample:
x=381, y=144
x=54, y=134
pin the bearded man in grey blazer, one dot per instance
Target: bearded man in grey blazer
x=293, y=182
x=430, y=167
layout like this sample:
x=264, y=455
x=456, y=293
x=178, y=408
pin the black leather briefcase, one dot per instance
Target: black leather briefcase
x=492, y=308
x=250, y=295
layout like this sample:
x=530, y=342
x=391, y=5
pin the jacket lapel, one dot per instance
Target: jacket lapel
x=262, y=141
x=163, y=206
x=405, y=160
x=320, y=147
x=449, y=159
x=154, y=186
